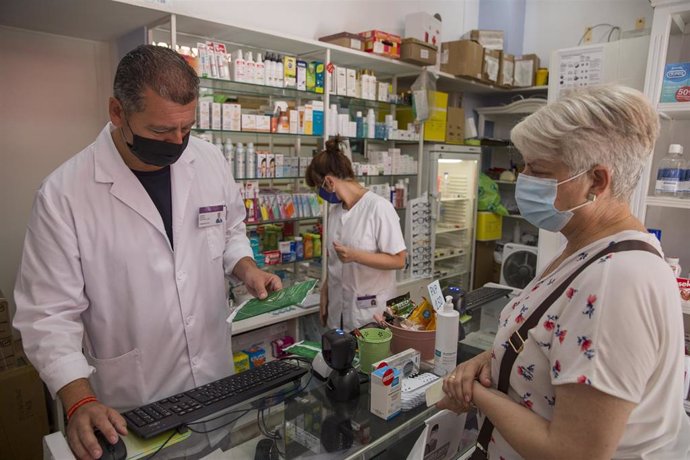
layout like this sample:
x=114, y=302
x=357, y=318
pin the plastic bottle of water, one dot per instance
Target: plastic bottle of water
x=670, y=175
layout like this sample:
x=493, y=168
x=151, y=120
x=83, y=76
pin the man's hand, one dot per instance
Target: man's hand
x=91, y=415
x=81, y=425
x=346, y=254
x=259, y=283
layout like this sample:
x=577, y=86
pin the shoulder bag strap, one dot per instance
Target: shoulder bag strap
x=516, y=342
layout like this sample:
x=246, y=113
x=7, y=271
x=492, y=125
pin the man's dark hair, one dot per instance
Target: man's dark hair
x=161, y=69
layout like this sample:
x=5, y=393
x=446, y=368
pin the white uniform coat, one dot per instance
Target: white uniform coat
x=372, y=225
x=98, y=272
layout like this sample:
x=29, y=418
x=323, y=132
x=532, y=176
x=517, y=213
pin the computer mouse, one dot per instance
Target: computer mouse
x=117, y=451
x=265, y=450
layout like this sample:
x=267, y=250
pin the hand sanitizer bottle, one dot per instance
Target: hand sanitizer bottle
x=447, y=330
x=260, y=71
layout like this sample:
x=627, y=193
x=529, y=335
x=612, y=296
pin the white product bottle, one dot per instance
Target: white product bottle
x=260, y=71
x=670, y=173
x=228, y=151
x=365, y=84
x=278, y=75
x=251, y=161
x=249, y=68
x=373, y=86
x=333, y=120
x=674, y=263
x=371, y=124
x=238, y=67
x=446, y=348
x=268, y=70
x=218, y=142
x=239, y=161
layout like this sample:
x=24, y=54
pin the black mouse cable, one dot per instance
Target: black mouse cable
x=174, y=432
x=224, y=414
x=222, y=425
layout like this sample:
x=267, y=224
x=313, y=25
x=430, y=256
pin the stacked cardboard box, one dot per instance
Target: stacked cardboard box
x=23, y=418
x=378, y=42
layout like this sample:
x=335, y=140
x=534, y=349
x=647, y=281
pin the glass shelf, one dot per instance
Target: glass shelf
x=387, y=175
x=270, y=179
x=374, y=139
x=450, y=256
x=280, y=221
x=251, y=89
x=287, y=264
x=443, y=230
x=267, y=179
x=368, y=103
x=256, y=133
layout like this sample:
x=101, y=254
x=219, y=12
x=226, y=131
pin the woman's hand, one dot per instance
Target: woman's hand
x=346, y=254
x=458, y=384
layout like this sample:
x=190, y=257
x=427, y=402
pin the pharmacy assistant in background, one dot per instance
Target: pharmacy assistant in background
x=355, y=291
x=97, y=260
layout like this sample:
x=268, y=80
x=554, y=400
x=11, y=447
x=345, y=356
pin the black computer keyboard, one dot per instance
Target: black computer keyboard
x=479, y=297
x=155, y=418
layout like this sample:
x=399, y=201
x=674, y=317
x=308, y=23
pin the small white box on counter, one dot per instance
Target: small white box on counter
x=385, y=391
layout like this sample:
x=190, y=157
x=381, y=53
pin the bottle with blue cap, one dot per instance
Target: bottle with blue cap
x=446, y=347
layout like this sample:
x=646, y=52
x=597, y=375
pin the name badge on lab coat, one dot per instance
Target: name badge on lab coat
x=211, y=215
x=367, y=301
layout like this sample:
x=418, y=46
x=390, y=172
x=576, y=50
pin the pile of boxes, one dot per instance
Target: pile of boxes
x=306, y=119
x=480, y=56
x=23, y=418
x=386, y=162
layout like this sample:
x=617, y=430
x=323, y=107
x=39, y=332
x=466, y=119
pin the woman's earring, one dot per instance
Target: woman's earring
x=592, y=197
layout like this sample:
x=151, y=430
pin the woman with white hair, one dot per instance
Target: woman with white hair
x=588, y=360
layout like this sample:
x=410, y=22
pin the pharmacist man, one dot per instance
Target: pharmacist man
x=121, y=291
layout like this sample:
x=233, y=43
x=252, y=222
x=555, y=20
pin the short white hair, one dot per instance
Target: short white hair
x=610, y=125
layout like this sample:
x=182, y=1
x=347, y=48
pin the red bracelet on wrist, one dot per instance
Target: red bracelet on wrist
x=78, y=404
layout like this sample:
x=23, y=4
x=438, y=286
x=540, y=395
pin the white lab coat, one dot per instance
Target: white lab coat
x=373, y=225
x=98, y=272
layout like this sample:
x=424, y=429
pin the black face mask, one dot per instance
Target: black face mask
x=154, y=152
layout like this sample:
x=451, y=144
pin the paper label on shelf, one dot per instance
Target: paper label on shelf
x=436, y=295
x=444, y=56
x=424, y=53
x=355, y=43
x=582, y=67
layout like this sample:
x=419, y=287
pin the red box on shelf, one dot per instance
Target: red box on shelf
x=272, y=257
x=383, y=43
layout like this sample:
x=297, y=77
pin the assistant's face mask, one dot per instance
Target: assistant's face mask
x=154, y=152
x=330, y=197
x=536, y=198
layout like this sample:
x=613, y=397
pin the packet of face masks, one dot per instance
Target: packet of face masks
x=293, y=295
x=401, y=306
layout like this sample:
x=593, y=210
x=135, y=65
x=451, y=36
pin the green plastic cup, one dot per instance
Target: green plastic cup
x=374, y=345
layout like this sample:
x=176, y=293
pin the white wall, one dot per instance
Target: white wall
x=53, y=103
x=317, y=18
x=556, y=24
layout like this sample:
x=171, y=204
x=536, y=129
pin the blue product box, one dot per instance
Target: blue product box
x=317, y=127
x=676, y=85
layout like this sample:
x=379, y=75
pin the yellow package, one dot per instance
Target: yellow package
x=422, y=315
x=241, y=361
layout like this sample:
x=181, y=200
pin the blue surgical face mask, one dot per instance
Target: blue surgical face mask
x=536, y=198
x=330, y=197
